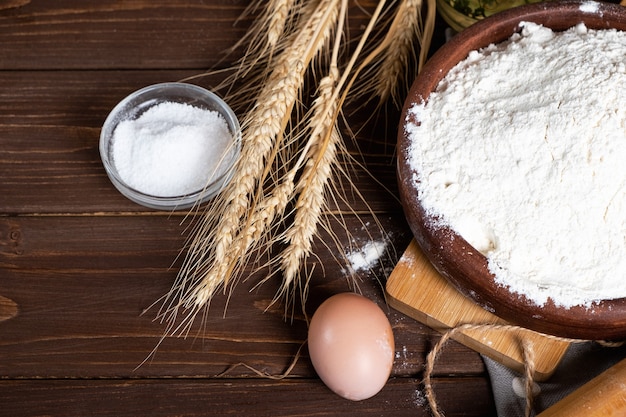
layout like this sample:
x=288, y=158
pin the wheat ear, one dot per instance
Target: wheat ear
x=271, y=25
x=404, y=28
x=321, y=154
x=278, y=14
x=395, y=52
x=311, y=185
x=263, y=131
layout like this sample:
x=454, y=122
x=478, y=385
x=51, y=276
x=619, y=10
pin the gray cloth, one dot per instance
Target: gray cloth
x=581, y=363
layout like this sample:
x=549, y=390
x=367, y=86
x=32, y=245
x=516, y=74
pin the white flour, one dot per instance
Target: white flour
x=366, y=256
x=522, y=151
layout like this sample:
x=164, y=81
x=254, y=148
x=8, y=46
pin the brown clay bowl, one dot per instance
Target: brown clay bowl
x=452, y=256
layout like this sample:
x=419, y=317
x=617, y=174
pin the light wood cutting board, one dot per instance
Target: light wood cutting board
x=416, y=289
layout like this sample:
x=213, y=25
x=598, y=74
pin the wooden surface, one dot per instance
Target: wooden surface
x=79, y=263
x=418, y=290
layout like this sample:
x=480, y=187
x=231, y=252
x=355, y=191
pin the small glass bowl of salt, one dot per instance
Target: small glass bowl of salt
x=170, y=146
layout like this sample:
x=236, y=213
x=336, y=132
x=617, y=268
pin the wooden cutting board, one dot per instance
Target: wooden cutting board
x=416, y=289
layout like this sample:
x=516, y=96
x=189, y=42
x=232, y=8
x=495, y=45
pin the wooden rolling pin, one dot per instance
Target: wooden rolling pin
x=603, y=396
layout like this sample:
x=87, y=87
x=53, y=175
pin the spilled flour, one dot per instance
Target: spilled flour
x=366, y=256
x=522, y=150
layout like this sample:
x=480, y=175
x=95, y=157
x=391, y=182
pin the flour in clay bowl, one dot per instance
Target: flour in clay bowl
x=520, y=151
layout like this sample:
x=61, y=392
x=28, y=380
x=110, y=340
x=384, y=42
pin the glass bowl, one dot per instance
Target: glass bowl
x=135, y=105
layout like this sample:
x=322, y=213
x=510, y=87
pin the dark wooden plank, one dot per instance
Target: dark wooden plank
x=401, y=397
x=57, y=169
x=81, y=283
x=76, y=98
x=79, y=263
x=134, y=34
x=102, y=242
x=144, y=34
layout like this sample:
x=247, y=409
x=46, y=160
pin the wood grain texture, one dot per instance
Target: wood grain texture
x=231, y=397
x=8, y=308
x=81, y=284
x=60, y=170
x=135, y=34
x=81, y=266
x=417, y=289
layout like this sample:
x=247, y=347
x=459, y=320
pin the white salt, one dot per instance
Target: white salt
x=172, y=149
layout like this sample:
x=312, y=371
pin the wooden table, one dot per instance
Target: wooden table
x=80, y=264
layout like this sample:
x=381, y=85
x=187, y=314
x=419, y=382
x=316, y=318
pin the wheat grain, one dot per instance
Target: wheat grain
x=308, y=210
x=266, y=123
x=321, y=154
x=267, y=210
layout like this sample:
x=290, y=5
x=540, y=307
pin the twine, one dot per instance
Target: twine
x=529, y=370
x=285, y=374
x=528, y=355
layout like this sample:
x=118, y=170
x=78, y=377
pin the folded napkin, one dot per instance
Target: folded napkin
x=581, y=363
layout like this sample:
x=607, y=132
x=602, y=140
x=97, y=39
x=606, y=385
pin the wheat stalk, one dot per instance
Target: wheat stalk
x=321, y=154
x=311, y=185
x=265, y=215
x=390, y=61
x=320, y=151
x=278, y=162
x=427, y=32
x=270, y=27
x=226, y=233
x=391, y=71
x=265, y=125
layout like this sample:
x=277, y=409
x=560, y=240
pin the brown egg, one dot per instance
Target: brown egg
x=351, y=346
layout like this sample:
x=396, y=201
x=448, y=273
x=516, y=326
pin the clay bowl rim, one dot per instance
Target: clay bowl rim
x=451, y=255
